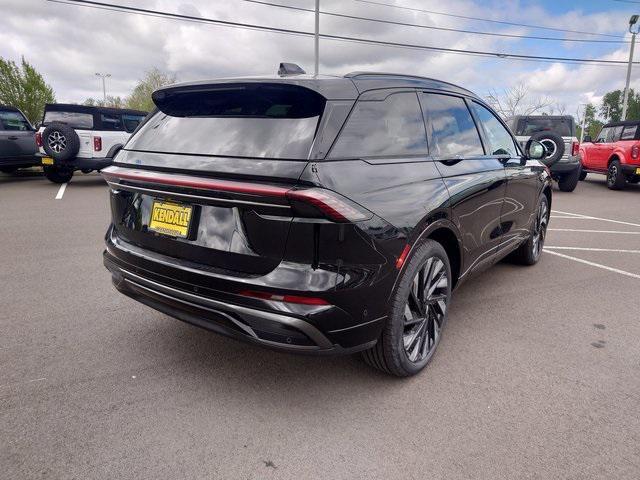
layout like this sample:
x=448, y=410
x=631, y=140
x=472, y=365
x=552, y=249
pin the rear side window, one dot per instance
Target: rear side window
x=499, y=138
x=110, y=122
x=13, y=121
x=614, y=134
x=83, y=121
x=629, y=132
x=382, y=128
x=453, y=132
x=237, y=120
x=131, y=122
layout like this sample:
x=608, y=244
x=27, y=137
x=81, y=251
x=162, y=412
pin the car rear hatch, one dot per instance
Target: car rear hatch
x=205, y=179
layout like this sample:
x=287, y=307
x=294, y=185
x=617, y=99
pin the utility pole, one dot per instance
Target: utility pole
x=584, y=122
x=104, y=88
x=316, y=39
x=632, y=21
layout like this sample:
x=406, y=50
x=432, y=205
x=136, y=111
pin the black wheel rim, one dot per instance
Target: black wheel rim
x=540, y=230
x=612, y=175
x=425, y=310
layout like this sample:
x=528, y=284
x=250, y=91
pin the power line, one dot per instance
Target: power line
x=432, y=27
x=227, y=23
x=502, y=22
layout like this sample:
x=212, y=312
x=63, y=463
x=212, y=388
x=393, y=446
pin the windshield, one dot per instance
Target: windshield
x=258, y=121
x=561, y=126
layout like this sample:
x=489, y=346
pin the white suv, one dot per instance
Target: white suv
x=79, y=137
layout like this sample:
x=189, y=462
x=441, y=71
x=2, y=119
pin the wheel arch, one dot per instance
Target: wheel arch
x=615, y=156
x=449, y=240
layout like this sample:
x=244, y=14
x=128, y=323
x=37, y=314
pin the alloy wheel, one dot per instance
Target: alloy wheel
x=540, y=230
x=425, y=310
x=57, y=141
x=612, y=174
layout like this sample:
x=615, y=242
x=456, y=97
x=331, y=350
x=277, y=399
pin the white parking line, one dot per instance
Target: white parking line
x=588, y=249
x=593, y=264
x=61, y=191
x=587, y=217
x=591, y=231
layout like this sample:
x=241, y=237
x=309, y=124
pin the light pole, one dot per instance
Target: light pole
x=104, y=88
x=632, y=22
x=316, y=39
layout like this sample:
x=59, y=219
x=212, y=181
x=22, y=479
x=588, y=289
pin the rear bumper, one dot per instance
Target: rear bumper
x=566, y=164
x=631, y=169
x=296, y=329
x=81, y=163
x=19, y=162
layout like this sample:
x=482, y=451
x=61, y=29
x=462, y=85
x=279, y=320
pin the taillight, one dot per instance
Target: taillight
x=332, y=205
x=285, y=298
x=635, y=151
x=403, y=256
x=97, y=144
x=39, y=139
x=575, y=148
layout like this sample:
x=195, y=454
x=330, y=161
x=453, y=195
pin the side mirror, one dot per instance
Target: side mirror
x=534, y=150
x=587, y=138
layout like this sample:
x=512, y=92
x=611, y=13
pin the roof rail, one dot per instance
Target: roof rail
x=357, y=74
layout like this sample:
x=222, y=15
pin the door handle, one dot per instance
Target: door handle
x=13, y=137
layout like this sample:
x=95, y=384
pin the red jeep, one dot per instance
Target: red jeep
x=615, y=153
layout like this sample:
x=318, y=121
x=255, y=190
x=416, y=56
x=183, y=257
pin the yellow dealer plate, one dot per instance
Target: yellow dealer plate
x=637, y=171
x=47, y=161
x=170, y=219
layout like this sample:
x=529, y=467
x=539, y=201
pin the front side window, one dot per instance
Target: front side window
x=498, y=137
x=13, y=121
x=453, y=132
x=602, y=136
x=383, y=128
x=110, y=122
x=131, y=122
x=83, y=121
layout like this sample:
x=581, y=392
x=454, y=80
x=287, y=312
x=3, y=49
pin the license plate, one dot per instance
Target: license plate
x=170, y=219
x=47, y=161
x=638, y=171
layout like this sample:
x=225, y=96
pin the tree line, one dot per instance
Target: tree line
x=22, y=86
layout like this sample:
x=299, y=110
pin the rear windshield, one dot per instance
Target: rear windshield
x=259, y=121
x=561, y=126
x=82, y=121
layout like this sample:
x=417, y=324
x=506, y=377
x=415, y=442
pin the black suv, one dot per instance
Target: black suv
x=17, y=141
x=321, y=214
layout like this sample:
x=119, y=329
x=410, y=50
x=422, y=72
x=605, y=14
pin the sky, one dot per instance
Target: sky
x=68, y=44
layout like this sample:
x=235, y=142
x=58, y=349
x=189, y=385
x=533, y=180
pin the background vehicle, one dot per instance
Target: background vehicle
x=79, y=137
x=17, y=141
x=321, y=214
x=615, y=153
x=558, y=134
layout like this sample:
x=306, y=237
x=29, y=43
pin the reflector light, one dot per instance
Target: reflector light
x=285, y=298
x=575, y=148
x=97, y=143
x=635, y=151
x=403, y=256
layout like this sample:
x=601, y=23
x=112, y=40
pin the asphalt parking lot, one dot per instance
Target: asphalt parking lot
x=536, y=375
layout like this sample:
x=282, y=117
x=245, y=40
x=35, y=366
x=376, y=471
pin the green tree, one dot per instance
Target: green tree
x=140, y=98
x=23, y=87
x=114, y=102
x=592, y=124
x=611, y=108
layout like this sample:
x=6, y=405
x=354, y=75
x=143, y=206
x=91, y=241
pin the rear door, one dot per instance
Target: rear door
x=522, y=184
x=604, y=146
x=217, y=161
x=17, y=136
x=475, y=181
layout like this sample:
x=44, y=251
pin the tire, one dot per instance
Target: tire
x=530, y=251
x=57, y=175
x=416, y=317
x=60, y=141
x=86, y=170
x=615, y=178
x=583, y=175
x=569, y=181
x=553, y=143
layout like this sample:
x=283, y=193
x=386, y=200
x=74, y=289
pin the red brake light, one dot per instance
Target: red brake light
x=403, y=256
x=635, y=151
x=331, y=204
x=285, y=298
x=97, y=143
x=39, y=139
x=575, y=148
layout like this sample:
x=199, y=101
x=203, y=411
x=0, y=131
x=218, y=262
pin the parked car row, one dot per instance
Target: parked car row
x=69, y=138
